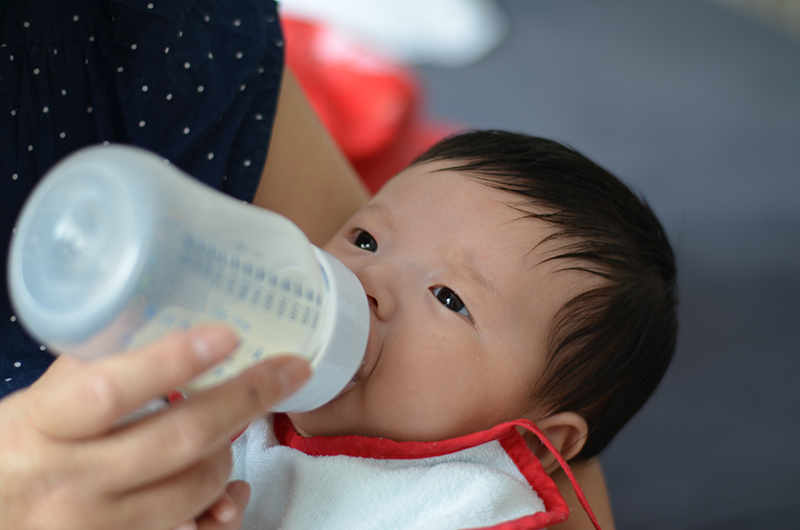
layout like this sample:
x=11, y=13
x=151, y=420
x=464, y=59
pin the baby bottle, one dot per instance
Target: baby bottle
x=116, y=247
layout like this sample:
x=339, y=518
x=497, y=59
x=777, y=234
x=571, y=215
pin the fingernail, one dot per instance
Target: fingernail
x=292, y=373
x=210, y=343
x=188, y=525
x=239, y=492
x=225, y=514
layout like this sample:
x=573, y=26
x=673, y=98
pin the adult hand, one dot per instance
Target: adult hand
x=226, y=513
x=64, y=463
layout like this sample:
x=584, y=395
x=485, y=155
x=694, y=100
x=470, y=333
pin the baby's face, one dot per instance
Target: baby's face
x=461, y=305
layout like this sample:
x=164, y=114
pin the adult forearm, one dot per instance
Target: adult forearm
x=306, y=177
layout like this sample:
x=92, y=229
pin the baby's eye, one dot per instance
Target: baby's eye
x=364, y=239
x=450, y=300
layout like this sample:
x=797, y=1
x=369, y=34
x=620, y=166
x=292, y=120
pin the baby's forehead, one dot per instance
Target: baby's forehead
x=432, y=194
x=439, y=181
x=487, y=214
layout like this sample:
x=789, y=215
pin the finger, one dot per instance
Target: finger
x=223, y=510
x=228, y=512
x=89, y=400
x=189, y=430
x=180, y=498
x=239, y=491
x=62, y=366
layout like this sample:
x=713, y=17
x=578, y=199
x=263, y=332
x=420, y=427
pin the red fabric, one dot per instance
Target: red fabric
x=175, y=396
x=370, y=105
x=508, y=436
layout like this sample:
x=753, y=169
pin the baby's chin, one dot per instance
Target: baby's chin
x=335, y=418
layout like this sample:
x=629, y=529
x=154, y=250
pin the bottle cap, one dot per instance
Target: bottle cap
x=345, y=333
x=78, y=240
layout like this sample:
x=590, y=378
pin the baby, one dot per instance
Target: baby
x=509, y=278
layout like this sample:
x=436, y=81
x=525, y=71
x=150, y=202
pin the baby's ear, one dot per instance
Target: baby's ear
x=565, y=430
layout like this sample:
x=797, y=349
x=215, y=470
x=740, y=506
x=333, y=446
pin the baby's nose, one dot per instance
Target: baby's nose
x=380, y=284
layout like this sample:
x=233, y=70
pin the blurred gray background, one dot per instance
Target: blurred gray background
x=697, y=107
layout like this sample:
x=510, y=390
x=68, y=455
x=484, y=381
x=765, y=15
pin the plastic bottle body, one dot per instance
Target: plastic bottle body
x=115, y=248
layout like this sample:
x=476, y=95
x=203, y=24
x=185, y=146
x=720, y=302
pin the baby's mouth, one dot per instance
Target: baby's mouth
x=363, y=371
x=371, y=356
x=357, y=374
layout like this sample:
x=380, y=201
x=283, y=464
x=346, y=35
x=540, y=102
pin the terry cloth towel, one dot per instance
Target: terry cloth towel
x=488, y=479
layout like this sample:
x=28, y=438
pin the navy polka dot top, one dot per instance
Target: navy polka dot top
x=193, y=80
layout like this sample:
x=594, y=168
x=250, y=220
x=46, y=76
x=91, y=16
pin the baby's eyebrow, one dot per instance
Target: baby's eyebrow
x=476, y=276
x=381, y=210
x=465, y=263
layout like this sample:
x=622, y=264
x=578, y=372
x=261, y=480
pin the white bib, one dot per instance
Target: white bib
x=487, y=479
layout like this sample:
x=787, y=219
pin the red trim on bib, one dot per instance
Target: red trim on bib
x=506, y=433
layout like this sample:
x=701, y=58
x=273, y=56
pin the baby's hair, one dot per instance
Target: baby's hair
x=608, y=347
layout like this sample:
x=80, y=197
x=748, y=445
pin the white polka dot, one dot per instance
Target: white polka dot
x=63, y=92
x=200, y=88
x=186, y=130
x=260, y=69
x=55, y=51
x=8, y=379
x=133, y=46
x=144, y=88
x=270, y=18
x=259, y=116
x=246, y=163
x=91, y=38
x=63, y=135
x=166, y=50
x=206, y=18
x=43, y=347
x=89, y=110
x=30, y=148
x=11, y=57
x=36, y=71
x=86, y=61
x=242, y=86
x=13, y=112
x=187, y=65
x=224, y=177
x=237, y=22
x=210, y=156
x=76, y=18
x=210, y=55
x=141, y=123
x=45, y=109
x=150, y=6
x=26, y=24
x=14, y=177
x=279, y=43
x=17, y=364
x=239, y=55
x=13, y=318
x=106, y=143
x=169, y=97
x=180, y=34
x=120, y=69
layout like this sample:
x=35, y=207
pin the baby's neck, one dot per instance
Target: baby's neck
x=297, y=428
